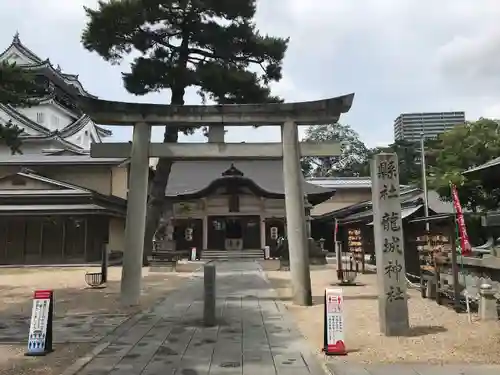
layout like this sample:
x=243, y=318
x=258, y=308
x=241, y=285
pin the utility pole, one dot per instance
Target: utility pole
x=424, y=179
x=426, y=202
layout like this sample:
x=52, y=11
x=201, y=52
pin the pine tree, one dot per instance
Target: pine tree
x=19, y=89
x=212, y=45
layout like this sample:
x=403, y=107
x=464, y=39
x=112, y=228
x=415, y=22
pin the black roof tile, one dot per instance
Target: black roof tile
x=188, y=177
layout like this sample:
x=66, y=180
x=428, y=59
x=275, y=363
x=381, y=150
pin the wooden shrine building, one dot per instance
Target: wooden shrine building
x=231, y=205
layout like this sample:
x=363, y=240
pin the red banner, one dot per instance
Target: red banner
x=462, y=230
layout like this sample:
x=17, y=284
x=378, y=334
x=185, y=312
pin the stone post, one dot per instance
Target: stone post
x=295, y=216
x=136, y=215
x=430, y=288
x=488, y=309
x=216, y=134
x=209, y=295
x=105, y=263
x=389, y=245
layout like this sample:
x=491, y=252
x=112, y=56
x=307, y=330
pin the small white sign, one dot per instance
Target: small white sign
x=334, y=322
x=39, y=322
x=267, y=252
x=193, y=253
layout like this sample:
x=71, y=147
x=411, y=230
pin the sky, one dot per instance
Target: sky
x=396, y=55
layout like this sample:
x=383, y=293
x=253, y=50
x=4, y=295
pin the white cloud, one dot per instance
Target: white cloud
x=492, y=111
x=471, y=62
x=398, y=56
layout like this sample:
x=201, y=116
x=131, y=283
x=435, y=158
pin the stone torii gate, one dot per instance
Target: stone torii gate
x=143, y=116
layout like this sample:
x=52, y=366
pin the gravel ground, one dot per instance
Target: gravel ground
x=438, y=334
x=71, y=297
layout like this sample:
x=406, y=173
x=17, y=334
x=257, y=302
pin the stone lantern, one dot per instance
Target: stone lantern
x=321, y=243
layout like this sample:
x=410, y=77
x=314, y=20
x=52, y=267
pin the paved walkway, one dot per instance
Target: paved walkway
x=254, y=336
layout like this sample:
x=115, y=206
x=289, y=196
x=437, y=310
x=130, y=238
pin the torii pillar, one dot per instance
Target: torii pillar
x=295, y=216
x=135, y=224
x=288, y=116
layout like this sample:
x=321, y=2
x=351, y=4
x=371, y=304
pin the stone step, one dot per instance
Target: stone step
x=235, y=256
x=243, y=254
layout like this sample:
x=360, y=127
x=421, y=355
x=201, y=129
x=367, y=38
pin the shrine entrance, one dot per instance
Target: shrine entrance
x=188, y=233
x=144, y=116
x=234, y=233
x=275, y=228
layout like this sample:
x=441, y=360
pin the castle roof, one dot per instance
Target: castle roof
x=67, y=81
x=45, y=133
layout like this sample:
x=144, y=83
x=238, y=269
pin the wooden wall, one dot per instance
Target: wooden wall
x=52, y=240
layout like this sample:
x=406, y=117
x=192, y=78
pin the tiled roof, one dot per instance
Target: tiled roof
x=492, y=163
x=342, y=182
x=409, y=196
x=68, y=80
x=346, y=182
x=188, y=177
x=37, y=159
x=24, y=120
x=63, y=196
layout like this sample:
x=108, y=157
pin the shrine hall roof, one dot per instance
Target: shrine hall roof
x=193, y=177
x=486, y=166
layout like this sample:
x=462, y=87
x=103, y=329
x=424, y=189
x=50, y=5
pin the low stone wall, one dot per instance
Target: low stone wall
x=476, y=271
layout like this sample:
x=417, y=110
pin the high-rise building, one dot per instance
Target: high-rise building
x=410, y=126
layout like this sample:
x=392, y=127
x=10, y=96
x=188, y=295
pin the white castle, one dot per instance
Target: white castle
x=54, y=125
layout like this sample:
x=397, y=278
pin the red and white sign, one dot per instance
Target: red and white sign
x=40, y=334
x=334, y=322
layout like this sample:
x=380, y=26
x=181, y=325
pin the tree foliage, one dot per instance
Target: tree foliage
x=355, y=157
x=206, y=43
x=447, y=157
x=19, y=89
x=212, y=45
x=353, y=153
x=17, y=86
x=464, y=147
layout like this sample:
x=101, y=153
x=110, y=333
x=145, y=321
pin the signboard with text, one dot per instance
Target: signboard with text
x=355, y=248
x=40, y=334
x=334, y=337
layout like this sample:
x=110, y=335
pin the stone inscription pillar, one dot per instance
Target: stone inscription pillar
x=389, y=245
x=136, y=215
x=295, y=216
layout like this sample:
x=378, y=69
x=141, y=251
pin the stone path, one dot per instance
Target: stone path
x=254, y=337
x=412, y=369
x=69, y=329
